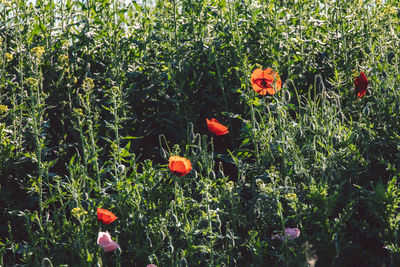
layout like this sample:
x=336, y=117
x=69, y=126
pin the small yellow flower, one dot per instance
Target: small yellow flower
x=38, y=52
x=390, y=10
x=259, y=183
x=31, y=82
x=88, y=84
x=230, y=185
x=78, y=111
x=291, y=196
x=114, y=147
x=114, y=89
x=63, y=59
x=9, y=57
x=78, y=212
x=3, y=109
x=264, y=188
x=7, y=4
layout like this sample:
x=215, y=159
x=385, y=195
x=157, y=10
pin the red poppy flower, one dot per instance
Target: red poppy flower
x=265, y=81
x=216, y=128
x=361, y=84
x=105, y=216
x=179, y=166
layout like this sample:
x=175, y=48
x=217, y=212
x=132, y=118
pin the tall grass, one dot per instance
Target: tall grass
x=96, y=95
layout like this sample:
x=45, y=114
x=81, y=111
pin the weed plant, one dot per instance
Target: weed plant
x=96, y=95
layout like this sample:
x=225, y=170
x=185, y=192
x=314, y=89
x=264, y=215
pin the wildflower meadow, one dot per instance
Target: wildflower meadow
x=218, y=133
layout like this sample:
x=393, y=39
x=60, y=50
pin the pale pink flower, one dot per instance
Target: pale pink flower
x=104, y=240
x=151, y=265
x=290, y=233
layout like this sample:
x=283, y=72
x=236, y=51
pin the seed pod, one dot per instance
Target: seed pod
x=148, y=242
x=171, y=249
x=163, y=153
x=184, y=262
x=212, y=175
x=366, y=111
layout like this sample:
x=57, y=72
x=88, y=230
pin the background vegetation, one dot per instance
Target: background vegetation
x=97, y=94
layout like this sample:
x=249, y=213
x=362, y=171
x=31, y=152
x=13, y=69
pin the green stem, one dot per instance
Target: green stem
x=36, y=111
x=220, y=80
x=211, y=246
x=282, y=220
x=18, y=135
x=117, y=160
x=175, y=26
x=94, y=152
x=83, y=143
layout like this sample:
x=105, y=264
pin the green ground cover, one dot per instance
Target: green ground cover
x=97, y=95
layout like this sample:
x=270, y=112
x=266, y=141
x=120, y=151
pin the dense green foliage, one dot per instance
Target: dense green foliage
x=96, y=95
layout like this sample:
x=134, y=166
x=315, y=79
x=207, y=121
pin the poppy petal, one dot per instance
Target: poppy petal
x=104, y=240
x=216, y=128
x=179, y=166
x=361, y=84
x=290, y=234
x=105, y=216
x=265, y=81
